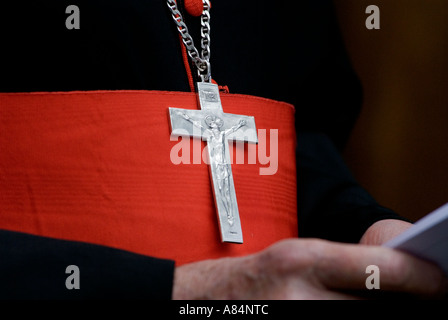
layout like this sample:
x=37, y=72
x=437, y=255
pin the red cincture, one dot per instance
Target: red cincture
x=193, y=7
x=100, y=167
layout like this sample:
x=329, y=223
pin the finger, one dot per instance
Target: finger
x=384, y=230
x=344, y=266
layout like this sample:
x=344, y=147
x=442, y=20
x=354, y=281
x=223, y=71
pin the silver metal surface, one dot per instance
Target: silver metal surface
x=202, y=61
x=217, y=128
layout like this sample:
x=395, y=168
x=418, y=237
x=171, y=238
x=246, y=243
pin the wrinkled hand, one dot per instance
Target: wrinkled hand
x=384, y=230
x=307, y=269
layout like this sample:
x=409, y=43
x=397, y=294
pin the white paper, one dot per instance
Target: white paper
x=427, y=238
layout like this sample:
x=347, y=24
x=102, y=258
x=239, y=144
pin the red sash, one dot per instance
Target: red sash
x=96, y=167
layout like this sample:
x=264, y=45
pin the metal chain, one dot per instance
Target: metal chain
x=202, y=61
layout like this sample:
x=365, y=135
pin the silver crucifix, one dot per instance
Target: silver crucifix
x=217, y=128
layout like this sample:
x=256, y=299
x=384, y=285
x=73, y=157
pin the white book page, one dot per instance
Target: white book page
x=427, y=238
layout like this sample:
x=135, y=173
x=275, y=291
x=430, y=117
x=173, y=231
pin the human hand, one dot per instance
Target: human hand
x=307, y=269
x=383, y=231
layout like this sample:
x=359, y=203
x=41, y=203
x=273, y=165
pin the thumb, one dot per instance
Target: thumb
x=344, y=266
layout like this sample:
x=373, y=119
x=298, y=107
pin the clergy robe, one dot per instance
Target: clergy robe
x=261, y=48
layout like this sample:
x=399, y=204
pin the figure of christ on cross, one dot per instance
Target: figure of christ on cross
x=217, y=128
x=216, y=142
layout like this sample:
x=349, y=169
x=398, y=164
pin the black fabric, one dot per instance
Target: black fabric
x=36, y=268
x=332, y=205
x=263, y=48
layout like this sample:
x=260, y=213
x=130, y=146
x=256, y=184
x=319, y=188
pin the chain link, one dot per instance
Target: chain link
x=201, y=61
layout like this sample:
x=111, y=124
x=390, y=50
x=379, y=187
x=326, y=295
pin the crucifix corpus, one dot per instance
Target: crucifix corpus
x=217, y=128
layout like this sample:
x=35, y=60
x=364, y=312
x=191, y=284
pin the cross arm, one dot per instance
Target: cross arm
x=243, y=128
x=186, y=122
